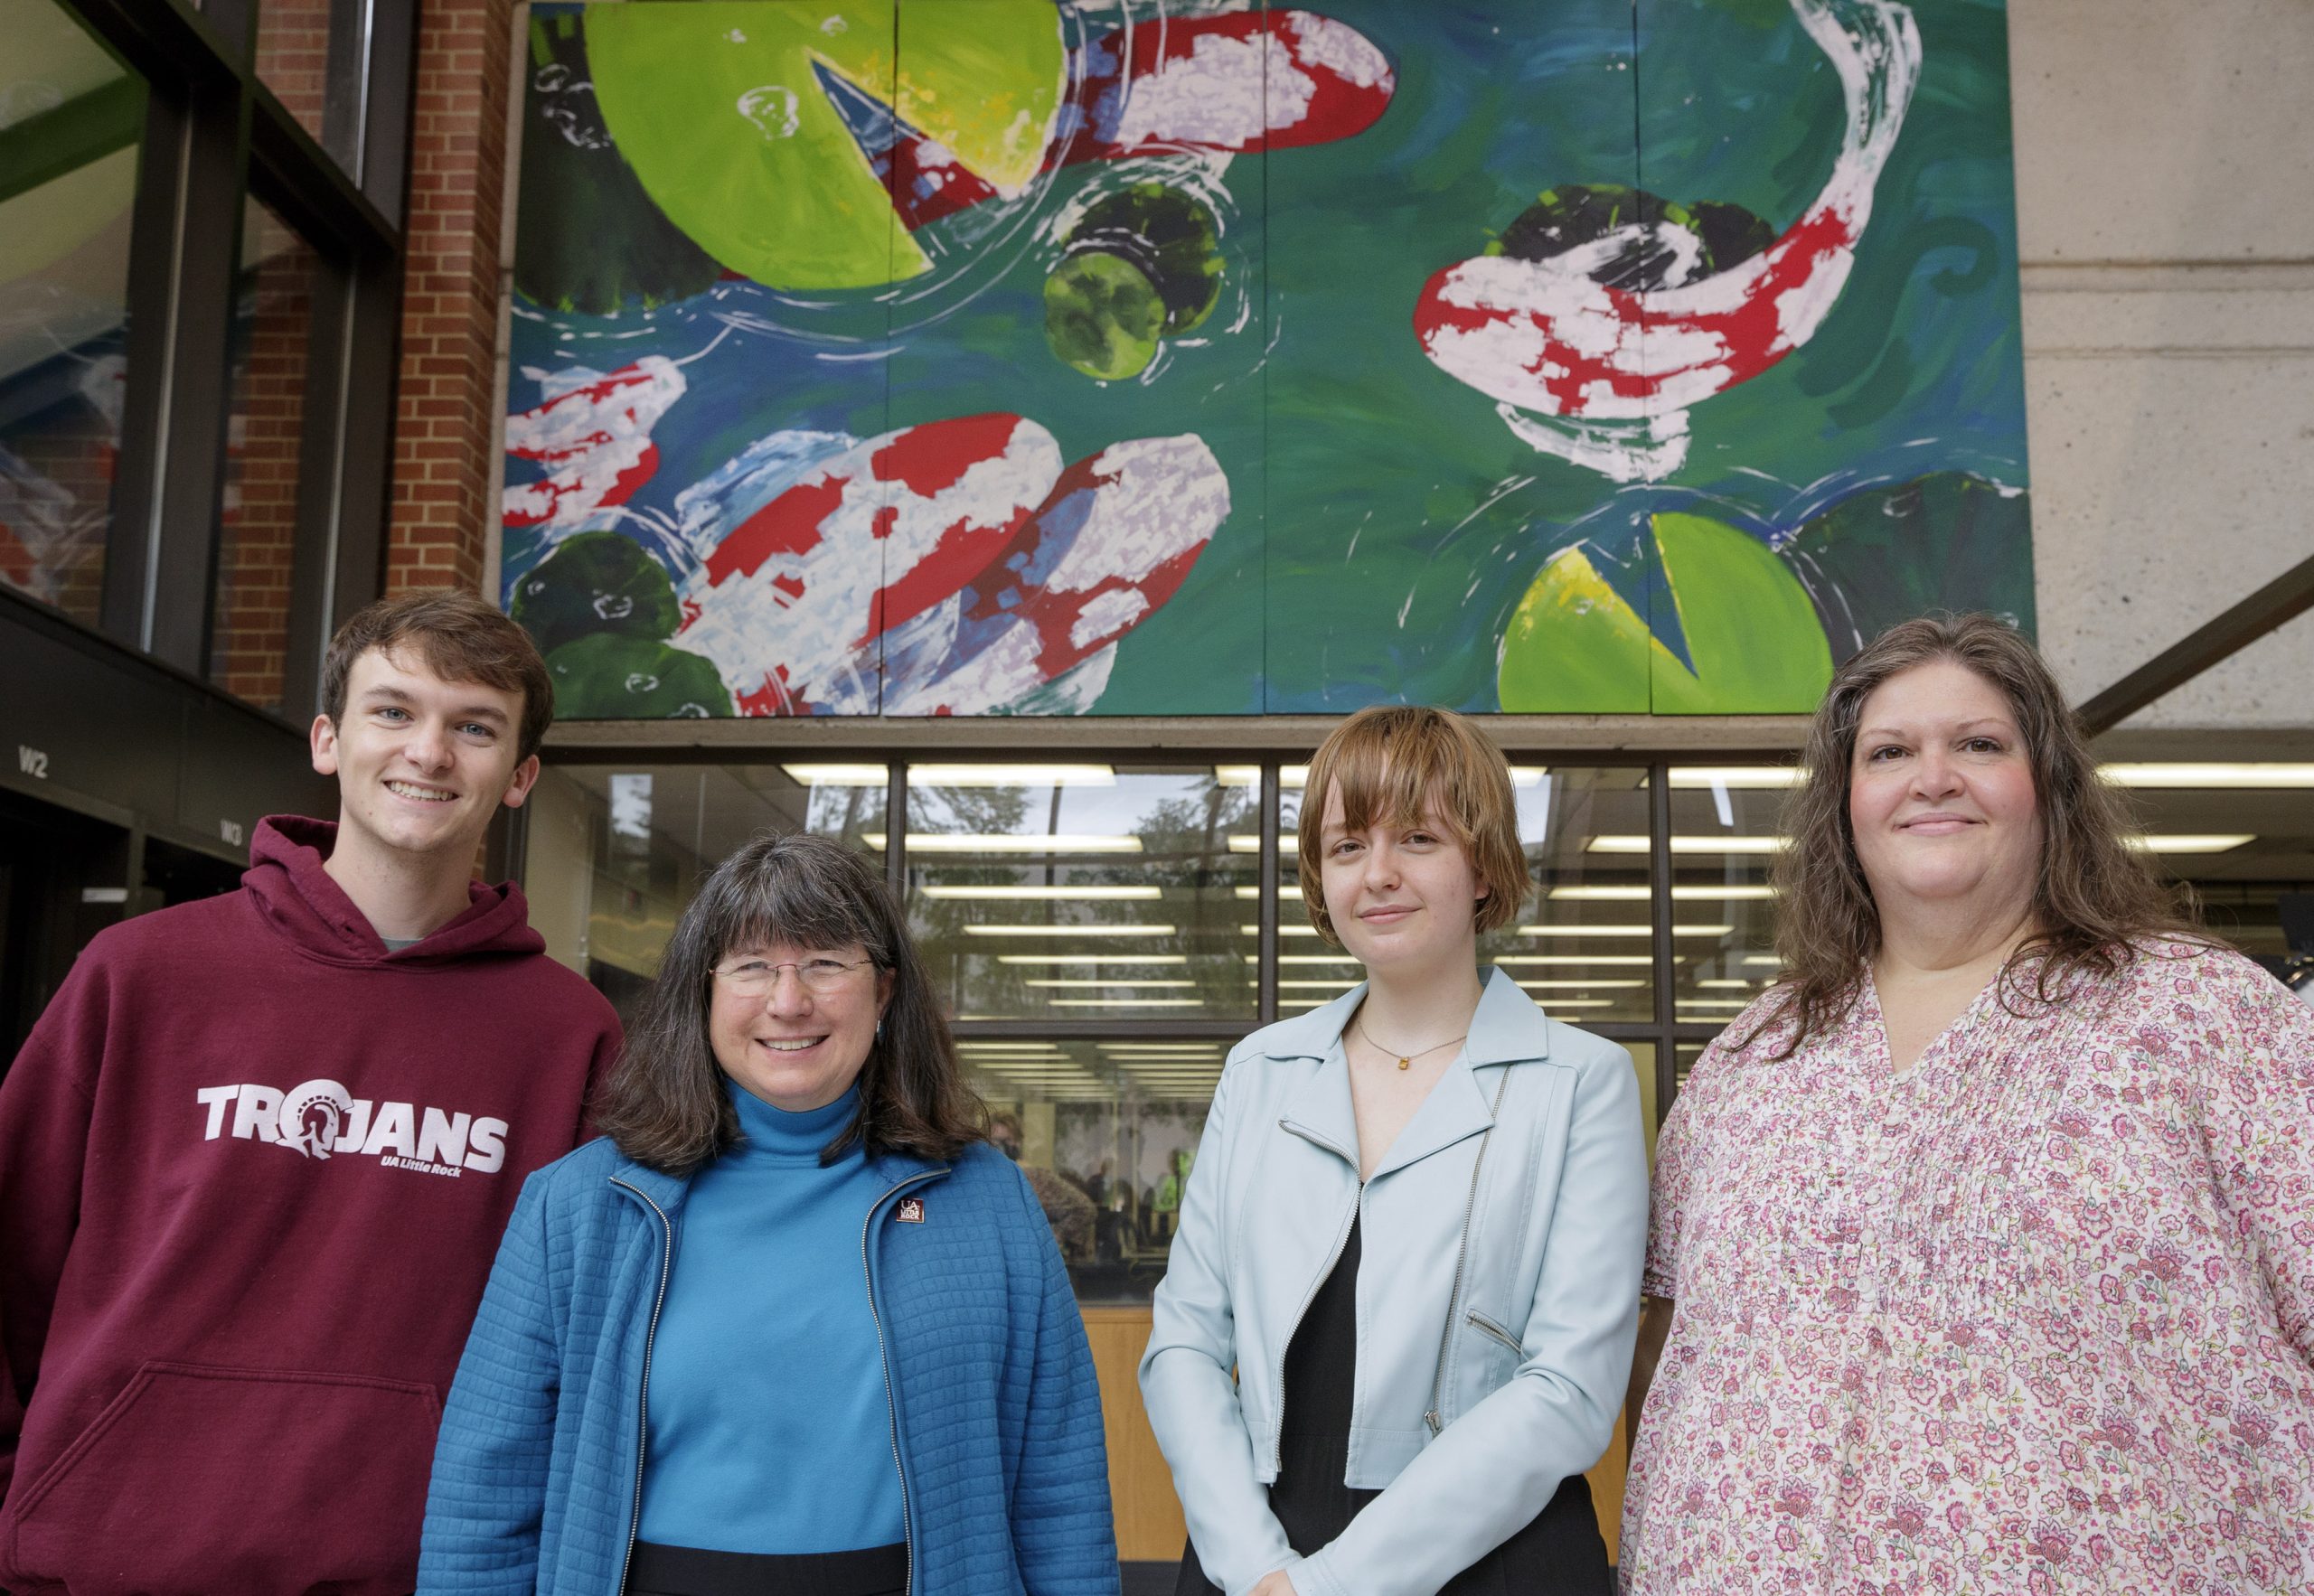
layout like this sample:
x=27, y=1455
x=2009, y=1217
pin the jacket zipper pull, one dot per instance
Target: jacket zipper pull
x=1431, y=1419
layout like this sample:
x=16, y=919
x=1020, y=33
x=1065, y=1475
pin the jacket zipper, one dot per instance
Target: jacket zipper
x=1462, y=1254
x=1277, y=1433
x=892, y=1400
x=1487, y=1327
x=643, y=1402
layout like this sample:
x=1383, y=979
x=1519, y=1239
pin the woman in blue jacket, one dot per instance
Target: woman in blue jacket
x=1412, y=1229
x=791, y=1325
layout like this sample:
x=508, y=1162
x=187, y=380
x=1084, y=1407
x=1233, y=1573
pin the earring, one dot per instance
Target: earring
x=880, y=1032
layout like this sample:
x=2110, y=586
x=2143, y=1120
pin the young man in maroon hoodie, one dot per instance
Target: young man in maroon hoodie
x=255, y=1157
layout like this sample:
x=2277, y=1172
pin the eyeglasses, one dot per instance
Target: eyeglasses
x=752, y=977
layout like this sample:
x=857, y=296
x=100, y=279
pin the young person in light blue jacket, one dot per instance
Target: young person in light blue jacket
x=1412, y=1229
x=794, y=1326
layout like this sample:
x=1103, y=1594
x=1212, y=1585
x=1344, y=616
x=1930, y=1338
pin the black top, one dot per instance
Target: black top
x=1559, y=1553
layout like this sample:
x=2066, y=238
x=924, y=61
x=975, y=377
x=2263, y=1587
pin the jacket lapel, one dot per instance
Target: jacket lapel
x=1320, y=1109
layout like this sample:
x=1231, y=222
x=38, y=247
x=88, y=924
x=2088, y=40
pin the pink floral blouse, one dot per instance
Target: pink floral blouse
x=2036, y=1319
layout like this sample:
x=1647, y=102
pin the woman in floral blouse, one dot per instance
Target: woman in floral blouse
x=1983, y=1244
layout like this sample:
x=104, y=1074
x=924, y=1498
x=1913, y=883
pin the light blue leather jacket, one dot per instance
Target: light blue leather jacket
x=1498, y=1295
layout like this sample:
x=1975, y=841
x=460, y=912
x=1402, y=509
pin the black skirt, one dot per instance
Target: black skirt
x=685, y=1571
x=1558, y=1552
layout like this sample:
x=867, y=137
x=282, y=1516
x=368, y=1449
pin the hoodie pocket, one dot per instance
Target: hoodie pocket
x=198, y=1478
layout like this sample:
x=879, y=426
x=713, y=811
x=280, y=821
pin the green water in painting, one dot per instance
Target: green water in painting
x=1385, y=522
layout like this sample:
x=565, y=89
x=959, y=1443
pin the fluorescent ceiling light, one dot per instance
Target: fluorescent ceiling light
x=2188, y=842
x=1624, y=894
x=839, y=776
x=1322, y=986
x=2209, y=776
x=1290, y=893
x=1688, y=844
x=1105, y=981
x=1009, y=842
x=1092, y=958
x=1011, y=775
x=1578, y=1003
x=1564, y=984
x=1712, y=1003
x=1287, y=842
x=1212, y=1048
x=1754, y=777
x=1128, y=1002
x=1068, y=931
x=1761, y=960
x=1622, y=930
x=1727, y=982
x=1308, y=959
x=1623, y=958
x=1250, y=929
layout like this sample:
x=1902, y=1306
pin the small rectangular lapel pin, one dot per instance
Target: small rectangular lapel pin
x=911, y=1211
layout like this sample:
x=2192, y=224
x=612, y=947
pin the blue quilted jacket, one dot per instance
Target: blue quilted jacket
x=997, y=1418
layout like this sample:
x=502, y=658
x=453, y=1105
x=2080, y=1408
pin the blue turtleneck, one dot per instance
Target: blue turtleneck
x=770, y=1428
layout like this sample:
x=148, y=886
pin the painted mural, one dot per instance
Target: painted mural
x=963, y=357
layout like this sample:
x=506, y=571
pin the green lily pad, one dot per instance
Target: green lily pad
x=718, y=107
x=589, y=238
x=594, y=582
x=1103, y=316
x=1575, y=646
x=1171, y=236
x=609, y=676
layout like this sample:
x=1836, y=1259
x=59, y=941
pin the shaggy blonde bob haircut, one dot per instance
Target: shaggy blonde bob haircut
x=1394, y=763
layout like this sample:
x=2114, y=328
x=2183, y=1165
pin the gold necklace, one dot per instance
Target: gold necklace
x=1406, y=1060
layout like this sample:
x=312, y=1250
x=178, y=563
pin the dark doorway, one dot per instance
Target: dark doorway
x=64, y=878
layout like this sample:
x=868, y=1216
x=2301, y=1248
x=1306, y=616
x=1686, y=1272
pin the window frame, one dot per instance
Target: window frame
x=214, y=136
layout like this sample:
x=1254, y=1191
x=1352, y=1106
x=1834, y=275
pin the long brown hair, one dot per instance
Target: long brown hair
x=2095, y=903
x=666, y=1103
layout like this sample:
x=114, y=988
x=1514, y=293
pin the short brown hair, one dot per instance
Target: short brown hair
x=461, y=639
x=1392, y=761
x=666, y=1104
x=2095, y=902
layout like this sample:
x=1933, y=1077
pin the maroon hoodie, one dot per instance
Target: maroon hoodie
x=253, y=1171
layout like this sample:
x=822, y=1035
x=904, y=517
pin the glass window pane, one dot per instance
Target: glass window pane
x=1084, y=892
x=1583, y=944
x=1725, y=829
x=272, y=325
x=1106, y=1132
x=311, y=54
x=615, y=853
x=71, y=119
x=2242, y=836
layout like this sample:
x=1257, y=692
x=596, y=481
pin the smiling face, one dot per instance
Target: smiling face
x=796, y=1047
x=1402, y=898
x=1941, y=796
x=421, y=764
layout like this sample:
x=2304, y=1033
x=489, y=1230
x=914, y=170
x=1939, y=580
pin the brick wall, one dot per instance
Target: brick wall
x=444, y=467
x=293, y=57
x=249, y=640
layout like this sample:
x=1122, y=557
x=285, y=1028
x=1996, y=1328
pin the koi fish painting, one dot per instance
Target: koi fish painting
x=1055, y=357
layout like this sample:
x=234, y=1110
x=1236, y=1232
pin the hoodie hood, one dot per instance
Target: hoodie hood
x=299, y=900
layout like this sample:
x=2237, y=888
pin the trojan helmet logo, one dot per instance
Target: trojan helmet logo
x=312, y=1115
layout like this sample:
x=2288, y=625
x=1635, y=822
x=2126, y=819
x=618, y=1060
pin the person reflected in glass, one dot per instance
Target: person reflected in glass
x=1412, y=1230
x=1981, y=1257
x=792, y=1324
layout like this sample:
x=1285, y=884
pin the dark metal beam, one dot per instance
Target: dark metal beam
x=2283, y=599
